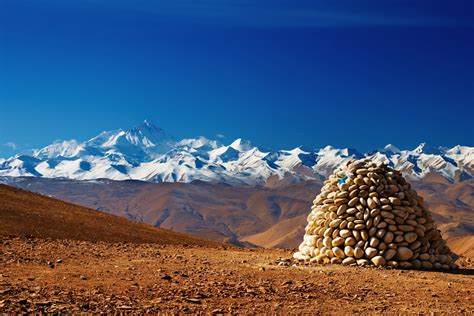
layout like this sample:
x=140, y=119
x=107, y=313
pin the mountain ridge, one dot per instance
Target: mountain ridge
x=146, y=152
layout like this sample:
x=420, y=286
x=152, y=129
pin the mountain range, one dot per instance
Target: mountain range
x=146, y=152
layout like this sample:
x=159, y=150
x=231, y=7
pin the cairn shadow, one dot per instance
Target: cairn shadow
x=459, y=271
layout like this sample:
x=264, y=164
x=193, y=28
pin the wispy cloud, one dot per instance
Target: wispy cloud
x=294, y=13
x=309, y=13
x=220, y=135
x=11, y=145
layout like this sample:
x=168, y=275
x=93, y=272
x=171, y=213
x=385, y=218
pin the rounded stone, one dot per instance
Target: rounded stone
x=327, y=242
x=358, y=252
x=371, y=203
x=424, y=256
x=405, y=265
x=395, y=201
x=374, y=242
x=386, y=214
x=404, y=253
x=388, y=238
x=335, y=223
x=389, y=254
x=338, y=241
x=344, y=233
x=342, y=194
x=410, y=237
x=378, y=261
x=353, y=201
x=348, y=251
x=398, y=238
x=342, y=209
x=416, y=263
x=336, y=260
x=370, y=252
x=322, y=258
x=338, y=252
x=362, y=262
x=350, y=241
x=426, y=265
x=348, y=261
x=340, y=201
x=406, y=228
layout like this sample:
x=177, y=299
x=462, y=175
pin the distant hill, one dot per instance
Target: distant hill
x=24, y=213
x=264, y=216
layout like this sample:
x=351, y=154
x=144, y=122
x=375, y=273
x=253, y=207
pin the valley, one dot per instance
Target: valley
x=265, y=216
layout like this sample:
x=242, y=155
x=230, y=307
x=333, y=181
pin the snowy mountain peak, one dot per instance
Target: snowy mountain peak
x=424, y=148
x=147, y=127
x=241, y=145
x=66, y=148
x=200, y=142
x=148, y=135
x=389, y=148
x=146, y=152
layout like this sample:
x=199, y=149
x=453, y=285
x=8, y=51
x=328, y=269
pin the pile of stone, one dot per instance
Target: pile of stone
x=367, y=214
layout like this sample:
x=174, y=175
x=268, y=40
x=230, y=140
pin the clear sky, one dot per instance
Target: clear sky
x=280, y=73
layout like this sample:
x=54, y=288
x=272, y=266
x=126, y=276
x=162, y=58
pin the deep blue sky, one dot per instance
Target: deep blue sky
x=357, y=74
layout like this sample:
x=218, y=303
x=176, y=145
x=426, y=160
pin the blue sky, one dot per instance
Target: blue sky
x=357, y=74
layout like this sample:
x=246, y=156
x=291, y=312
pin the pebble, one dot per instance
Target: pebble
x=338, y=241
x=389, y=254
x=374, y=242
x=371, y=203
x=395, y=201
x=410, y=237
x=370, y=252
x=426, y=264
x=363, y=262
x=353, y=201
x=348, y=251
x=388, y=237
x=406, y=228
x=338, y=252
x=378, y=261
x=348, y=261
x=344, y=233
x=358, y=252
x=404, y=253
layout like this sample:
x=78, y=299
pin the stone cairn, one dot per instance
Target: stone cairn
x=367, y=214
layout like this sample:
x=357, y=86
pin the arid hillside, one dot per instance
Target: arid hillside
x=23, y=213
x=68, y=258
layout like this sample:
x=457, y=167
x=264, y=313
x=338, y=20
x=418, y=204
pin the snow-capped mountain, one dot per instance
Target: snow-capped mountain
x=146, y=152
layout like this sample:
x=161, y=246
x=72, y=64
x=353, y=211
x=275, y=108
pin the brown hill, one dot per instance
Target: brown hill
x=266, y=216
x=213, y=211
x=23, y=213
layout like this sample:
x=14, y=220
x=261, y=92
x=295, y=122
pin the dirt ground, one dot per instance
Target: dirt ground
x=39, y=275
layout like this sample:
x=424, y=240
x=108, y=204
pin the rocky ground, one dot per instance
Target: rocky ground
x=38, y=275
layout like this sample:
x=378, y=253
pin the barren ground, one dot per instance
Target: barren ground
x=151, y=278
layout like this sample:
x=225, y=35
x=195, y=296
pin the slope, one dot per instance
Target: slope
x=23, y=213
x=267, y=217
